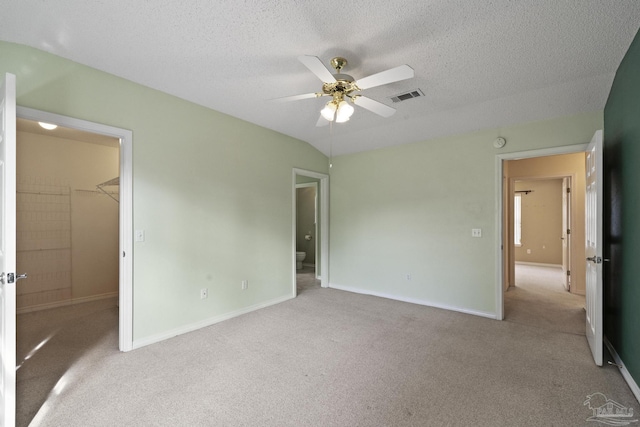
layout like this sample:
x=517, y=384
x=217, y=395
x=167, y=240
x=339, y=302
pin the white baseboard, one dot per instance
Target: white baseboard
x=65, y=303
x=539, y=264
x=412, y=301
x=633, y=385
x=206, y=322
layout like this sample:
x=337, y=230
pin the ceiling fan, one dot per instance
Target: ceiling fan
x=343, y=88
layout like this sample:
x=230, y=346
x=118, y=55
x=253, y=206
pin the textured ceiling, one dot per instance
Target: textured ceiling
x=480, y=64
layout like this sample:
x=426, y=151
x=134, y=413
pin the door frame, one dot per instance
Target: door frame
x=512, y=181
x=324, y=226
x=499, y=197
x=567, y=224
x=125, y=290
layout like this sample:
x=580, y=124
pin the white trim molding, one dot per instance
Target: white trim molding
x=324, y=226
x=126, y=208
x=633, y=385
x=499, y=172
x=539, y=264
x=68, y=302
x=412, y=301
x=206, y=322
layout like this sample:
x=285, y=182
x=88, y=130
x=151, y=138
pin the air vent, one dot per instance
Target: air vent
x=407, y=95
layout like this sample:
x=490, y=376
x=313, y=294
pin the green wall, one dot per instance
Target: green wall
x=622, y=211
x=212, y=192
x=410, y=210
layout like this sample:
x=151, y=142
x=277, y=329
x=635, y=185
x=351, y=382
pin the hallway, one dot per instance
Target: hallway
x=540, y=300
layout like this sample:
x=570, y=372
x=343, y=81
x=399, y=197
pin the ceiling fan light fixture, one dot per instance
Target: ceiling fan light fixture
x=344, y=113
x=329, y=111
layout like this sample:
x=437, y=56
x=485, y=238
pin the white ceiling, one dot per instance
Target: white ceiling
x=481, y=64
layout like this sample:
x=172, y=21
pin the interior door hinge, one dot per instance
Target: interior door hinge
x=568, y=231
x=568, y=190
x=568, y=272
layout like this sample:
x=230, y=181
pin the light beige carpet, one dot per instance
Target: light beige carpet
x=539, y=299
x=326, y=358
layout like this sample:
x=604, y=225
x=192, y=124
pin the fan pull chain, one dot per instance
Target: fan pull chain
x=330, y=144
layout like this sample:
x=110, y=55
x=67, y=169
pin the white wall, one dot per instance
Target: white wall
x=410, y=210
x=212, y=192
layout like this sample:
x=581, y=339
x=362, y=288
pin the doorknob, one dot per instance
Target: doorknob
x=11, y=277
x=594, y=259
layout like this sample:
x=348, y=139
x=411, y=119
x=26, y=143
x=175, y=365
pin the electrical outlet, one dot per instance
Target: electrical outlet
x=204, y=293
x=139, y=234
x=476, y=232
x=245, y=285
x=407, y=276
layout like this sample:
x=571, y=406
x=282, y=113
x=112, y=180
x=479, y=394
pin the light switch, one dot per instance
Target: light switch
x=139, y=235
x=476, y=232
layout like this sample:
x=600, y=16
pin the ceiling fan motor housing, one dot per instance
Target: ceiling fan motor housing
x=345, y=84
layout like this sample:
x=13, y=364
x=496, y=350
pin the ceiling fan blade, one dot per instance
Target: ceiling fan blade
x=384, y=77
x=322, y=121
x=314, y=64
x=374, y=106
x=297, y=97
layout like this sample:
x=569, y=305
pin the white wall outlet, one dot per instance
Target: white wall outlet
x=529, y=251
x=139, y=234
x=407, y=276
x=204, y=293
x=245, y=285
x=476, y=232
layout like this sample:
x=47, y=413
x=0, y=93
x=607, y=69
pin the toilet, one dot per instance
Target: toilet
x=299, y=258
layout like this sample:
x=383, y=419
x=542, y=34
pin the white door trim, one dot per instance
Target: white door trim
x=126, y=208
x=324, y=226
x=315, y=219
x=499, y=172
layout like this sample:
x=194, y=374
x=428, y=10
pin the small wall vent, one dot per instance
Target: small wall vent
x=407, y=95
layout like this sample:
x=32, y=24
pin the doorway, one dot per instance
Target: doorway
x=307, y=226
x=313, y=236
x=67, y=240
x=125, y=211
x=536, y=164
x=67, y=216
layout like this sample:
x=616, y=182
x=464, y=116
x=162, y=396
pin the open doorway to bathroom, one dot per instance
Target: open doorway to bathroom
x=306, y=234
x=310, y=230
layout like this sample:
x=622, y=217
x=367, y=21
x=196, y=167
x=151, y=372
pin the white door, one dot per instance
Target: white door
x=566, y=234
x=593, y=249
x=8, y=252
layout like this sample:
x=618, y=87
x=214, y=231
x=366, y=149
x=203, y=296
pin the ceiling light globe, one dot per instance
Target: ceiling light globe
x=329, y=111
x=48, y=126
x=344, y=112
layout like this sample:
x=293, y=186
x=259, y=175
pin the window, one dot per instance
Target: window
x=517, y=219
